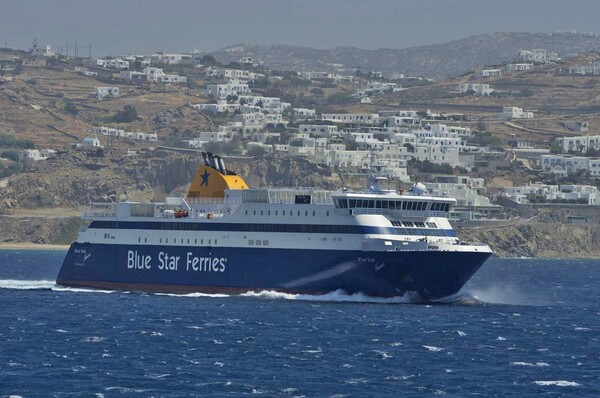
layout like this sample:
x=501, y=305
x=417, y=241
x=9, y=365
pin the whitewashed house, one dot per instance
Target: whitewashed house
x=538, y=55
x=352, y=118
x=36, y=155
x=103, y=92
x=318, y=130
x=518, y=67
x=581, y=143
x=488, y=73
x=169, y=59
x=593, y=69
x=225, y=90
x=477, y=88
x=91, y=142
x=112, y=63
x=514, y=112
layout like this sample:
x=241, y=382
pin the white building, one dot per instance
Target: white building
x=576, y=125
x=438, y=145
x=352, y=118
x=469, y=193
x=318, y=130
x=103, y=92
x=205, y=137
x=229, y=74
x=541, y=193
x=462, y=132
x=225, y=90
x=538, y=55
x=477, y=88
x=113, y=132
x=91, y=142
x=318, y=75
x=220, y=107
x=43, y=51
x=581, y=143
x=305, y=113
x=112, y=63
x=513, y=112
x=157, y=75
x=271, y=104
x=35, y=154
x=169, y=59
x=340, y=157
x=519, y=67
x=488, y=73
x=593, y=69
x=563, y=165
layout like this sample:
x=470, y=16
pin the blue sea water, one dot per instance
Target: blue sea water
x=534, y=331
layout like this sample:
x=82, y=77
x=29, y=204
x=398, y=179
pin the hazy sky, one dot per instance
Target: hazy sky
x=143, y=26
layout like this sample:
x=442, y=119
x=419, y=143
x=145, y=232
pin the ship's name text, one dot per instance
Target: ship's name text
x=168, y=262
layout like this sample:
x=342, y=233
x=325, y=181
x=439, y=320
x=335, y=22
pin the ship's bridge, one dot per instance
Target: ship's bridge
x=393, y=204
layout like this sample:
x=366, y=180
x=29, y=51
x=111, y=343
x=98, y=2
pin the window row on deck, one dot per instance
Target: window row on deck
x=391, y=204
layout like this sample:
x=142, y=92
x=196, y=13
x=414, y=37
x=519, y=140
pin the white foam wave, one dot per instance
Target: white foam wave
x=26, y=285
x=537, y=364
x=194, y=295
x=336, y=296
x=433, y=348
x=559, y=383
x=504, y=294
x=43, y=284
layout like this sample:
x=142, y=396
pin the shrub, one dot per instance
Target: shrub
x=11, y=155
x=127, y=115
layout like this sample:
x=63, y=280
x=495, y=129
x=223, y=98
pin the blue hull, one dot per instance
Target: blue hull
x=230, y=270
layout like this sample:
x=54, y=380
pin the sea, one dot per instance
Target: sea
x=520, y=327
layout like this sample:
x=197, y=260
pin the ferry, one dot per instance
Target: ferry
x=224, y=237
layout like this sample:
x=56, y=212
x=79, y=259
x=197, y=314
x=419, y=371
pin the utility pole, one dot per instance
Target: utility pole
x=76, y=48
x=90, y=53
x=67, y=49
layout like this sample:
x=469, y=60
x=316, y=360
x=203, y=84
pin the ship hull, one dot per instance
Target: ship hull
x=187, y=269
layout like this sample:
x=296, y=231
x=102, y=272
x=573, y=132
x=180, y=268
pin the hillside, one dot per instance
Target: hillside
x=32, y=106
x=445, y=59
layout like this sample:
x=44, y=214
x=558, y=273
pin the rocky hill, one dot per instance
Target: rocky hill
x=76, y=178
x=539, y=240
x=445, y=59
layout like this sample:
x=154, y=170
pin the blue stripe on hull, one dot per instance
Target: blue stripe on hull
x=430, y=274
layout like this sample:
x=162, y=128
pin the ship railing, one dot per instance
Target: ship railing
x=98, y=214
x=468, y=243
x=399, y=213
x=213, y=201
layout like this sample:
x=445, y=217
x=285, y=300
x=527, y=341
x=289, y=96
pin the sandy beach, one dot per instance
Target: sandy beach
x=31, y=246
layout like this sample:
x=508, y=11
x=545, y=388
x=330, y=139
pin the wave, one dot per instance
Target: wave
x=466, y=299
x=336, y=296
x=559, y=383
x=194, y=295
x=19, y=284
x=530, y=364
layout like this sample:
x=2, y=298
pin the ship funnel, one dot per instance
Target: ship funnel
x=221, y=164
x=205, y=159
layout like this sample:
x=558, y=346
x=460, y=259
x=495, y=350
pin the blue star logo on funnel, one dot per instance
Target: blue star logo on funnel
x=205, y=178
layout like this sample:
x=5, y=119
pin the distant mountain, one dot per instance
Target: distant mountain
x=446, y=59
